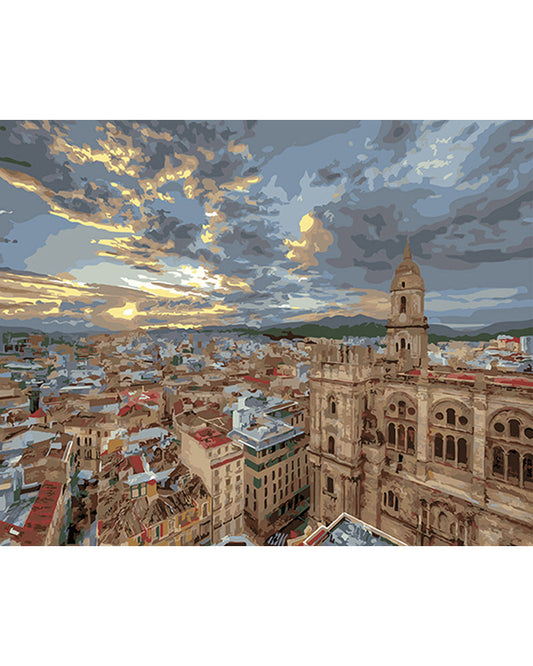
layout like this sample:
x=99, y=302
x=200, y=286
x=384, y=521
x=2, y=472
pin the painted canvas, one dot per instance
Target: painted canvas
x=266, y=333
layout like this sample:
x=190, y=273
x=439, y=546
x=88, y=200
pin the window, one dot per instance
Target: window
x=528, y=469
x=438, y=446
x=411, y=440
x=329, y=484
x=391, y=498
x=461, y=452
x=442, y=522
x=332, y=406
x=450, y=416
x=401, y=409
x=403, y=304
x=528, y=432
x=450, y=448
x=499, y=427
x=514, y=428
x=513, y=465
x=384, y=499
x=498, y=465
x=401, y=438
x=331, y=445
x=402, y=343
x=392, y=434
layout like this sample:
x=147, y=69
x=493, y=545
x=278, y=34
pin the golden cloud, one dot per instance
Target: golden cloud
x=135, y=251
x=314, y=238
x=195, y=303
x=96, y=220
x=117, y=152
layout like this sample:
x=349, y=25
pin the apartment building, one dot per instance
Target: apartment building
x=275, y=460
x=219, y=463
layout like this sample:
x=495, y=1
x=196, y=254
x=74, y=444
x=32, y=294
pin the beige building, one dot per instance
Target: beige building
x=92, y=437
x=219, y=463
x=429, y=455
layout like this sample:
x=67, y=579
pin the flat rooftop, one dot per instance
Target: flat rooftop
x=350, y=531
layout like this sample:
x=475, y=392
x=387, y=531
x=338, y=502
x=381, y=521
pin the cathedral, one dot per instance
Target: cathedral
x=431, y=455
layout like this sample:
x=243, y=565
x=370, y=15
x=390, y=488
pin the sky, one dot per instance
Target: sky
x=145, y=224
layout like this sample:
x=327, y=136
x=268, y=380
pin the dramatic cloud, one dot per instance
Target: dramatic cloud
x=185, y=223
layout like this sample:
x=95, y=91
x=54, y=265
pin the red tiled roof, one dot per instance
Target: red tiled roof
x=514, y=381
x=41, y=514
x=129, y=407
x=256, y=379
x=38, y=414
x=209, y=438
x=463, y=376
x=318, y=537
x=137, y=464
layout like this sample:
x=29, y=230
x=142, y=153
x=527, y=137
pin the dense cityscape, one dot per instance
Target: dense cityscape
x=202, y=438
x=266, y=333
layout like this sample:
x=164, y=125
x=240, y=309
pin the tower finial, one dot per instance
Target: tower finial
x=407, y=251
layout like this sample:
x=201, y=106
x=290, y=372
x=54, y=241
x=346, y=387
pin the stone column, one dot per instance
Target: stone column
x=422, y=431
x=478, y=447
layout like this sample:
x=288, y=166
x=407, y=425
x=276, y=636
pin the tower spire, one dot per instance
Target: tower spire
x=407, y=251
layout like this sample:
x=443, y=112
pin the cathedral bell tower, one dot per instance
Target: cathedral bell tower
x=407, y=327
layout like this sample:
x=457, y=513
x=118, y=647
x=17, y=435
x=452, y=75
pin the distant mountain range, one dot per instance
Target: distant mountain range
x=362, y=326
x=328, y=327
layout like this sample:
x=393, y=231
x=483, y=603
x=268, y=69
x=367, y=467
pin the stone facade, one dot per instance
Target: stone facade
x=429, y=455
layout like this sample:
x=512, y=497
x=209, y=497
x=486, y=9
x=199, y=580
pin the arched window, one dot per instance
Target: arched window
x=402, y=343
x=403, y=304
x=384, y=499
x=498, y=465
x=331, y=445
x=332, y=406
x=442, y=522
x=450, y=416
x=397, y=347
x=513, y=466
x=411, y=440
x=438, y=446
x=528, y=469
x=450, y=448
x=401, y=408
x=391, y=498
x=514, y=428
x=425, y=515
x=329, y=485
x=462, y=456
x=401, y=438
x=392, y=434
x=395, y=503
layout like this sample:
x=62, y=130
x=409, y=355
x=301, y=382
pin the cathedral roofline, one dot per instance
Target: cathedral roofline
x=407, y=251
